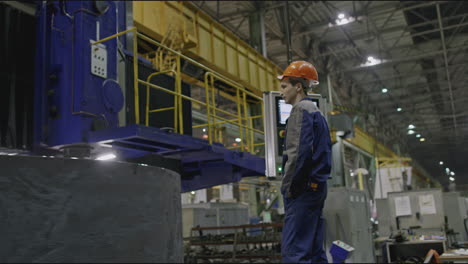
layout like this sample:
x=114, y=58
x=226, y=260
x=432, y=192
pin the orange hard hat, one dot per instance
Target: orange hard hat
x=301, y=69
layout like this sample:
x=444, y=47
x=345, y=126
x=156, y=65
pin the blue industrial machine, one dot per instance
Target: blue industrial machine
x=81, y=102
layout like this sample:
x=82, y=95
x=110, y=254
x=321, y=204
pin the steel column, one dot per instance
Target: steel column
x=446, y=66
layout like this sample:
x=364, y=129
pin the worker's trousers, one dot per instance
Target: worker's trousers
x=303, y=228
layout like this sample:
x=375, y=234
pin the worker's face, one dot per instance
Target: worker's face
x=288, y=91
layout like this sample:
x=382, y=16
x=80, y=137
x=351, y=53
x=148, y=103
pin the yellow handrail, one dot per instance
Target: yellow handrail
x=241, y=118
x=148, y=96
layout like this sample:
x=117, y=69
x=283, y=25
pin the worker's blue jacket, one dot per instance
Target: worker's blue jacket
x=307, y=149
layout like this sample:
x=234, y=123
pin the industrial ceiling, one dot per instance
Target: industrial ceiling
x=416, y=76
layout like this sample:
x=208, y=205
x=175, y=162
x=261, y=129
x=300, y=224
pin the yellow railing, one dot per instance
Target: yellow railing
x=241, y=118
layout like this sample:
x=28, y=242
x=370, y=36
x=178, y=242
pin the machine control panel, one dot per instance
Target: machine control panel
x=99, y=60
x=276, y=113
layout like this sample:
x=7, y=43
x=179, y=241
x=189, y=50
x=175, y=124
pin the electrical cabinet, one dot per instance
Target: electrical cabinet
x=456, y=212
x=213, y=214
x=347, y=218
x=422, y=211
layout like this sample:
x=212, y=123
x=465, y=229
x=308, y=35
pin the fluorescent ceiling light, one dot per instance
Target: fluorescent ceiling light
x=399, y=109
x=342, y=20
x=441, y=163
x=107, y=156
x=371, y=61
x=422, y=139
x=452, y=178
x=411, y=127
x=410, y=132
x=418, y=135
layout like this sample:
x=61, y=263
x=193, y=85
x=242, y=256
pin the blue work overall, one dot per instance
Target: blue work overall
x=306, y=168
x=303, y=229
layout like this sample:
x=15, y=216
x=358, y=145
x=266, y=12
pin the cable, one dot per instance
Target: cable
x=464, y=223
x=64, y=11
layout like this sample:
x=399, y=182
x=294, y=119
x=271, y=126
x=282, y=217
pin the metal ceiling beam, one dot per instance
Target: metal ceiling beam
x=372, y=12
x=345, y=33
x=287, y=31
x=280, y=35
x=432, y=108
x=413, y=88
x=446, y=66
x=408, y=59
x=407, y=8
x=415, y=73
x=301, y=15
x=394, y=29
x=25, y=7
x=443, y=115
x=421, y=99
x=227, y=24
x=246, y=12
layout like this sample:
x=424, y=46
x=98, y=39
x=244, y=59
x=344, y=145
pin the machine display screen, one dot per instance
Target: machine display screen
x=284, y=109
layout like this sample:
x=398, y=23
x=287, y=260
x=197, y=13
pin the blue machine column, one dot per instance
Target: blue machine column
x=77, y=83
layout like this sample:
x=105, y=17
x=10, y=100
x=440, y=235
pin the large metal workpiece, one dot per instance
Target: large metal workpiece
x=78, y=210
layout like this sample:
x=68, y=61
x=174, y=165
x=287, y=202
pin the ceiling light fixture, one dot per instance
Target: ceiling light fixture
x=399, y=109
x=441, y=163
x=422, y=139
x=343, y=20
x=410, y=132
x=447, y=170
x=238, y=140
x=371, y=61
x=452, y=178
x=418, y=135
x=411, y=127
x=107, y=156
x=384, y=90
x=452, y=173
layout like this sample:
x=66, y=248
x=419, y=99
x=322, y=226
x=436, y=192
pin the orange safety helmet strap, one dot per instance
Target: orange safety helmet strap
x=301, y=69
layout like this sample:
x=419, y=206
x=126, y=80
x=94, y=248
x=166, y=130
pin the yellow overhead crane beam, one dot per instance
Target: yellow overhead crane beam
x=369, y=144
x=208, y=42
x=384, y=156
